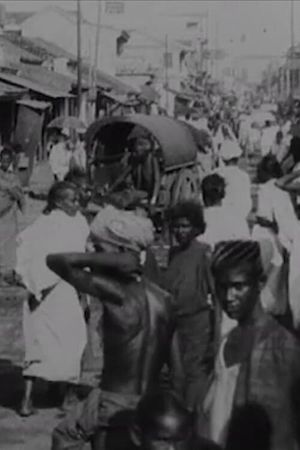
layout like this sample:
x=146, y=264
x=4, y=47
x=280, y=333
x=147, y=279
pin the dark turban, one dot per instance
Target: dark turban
x=233, y=254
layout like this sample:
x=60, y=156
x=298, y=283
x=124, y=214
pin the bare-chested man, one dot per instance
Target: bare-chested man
x=137, y=323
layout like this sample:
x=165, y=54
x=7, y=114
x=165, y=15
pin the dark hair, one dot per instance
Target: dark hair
x=268, y=168
x=244, y=255
x=156, y=405
x=190, y=210
x=74, y=174
x=55, y=194
x=213, y=189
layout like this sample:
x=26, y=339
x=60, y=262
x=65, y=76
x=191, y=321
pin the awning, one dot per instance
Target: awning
x=115, y=97
x=33, y=86
x=35, y=104
x=107, y=81
x=7, y=91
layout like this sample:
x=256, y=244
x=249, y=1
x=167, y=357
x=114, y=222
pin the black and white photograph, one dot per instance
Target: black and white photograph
x=150, y=224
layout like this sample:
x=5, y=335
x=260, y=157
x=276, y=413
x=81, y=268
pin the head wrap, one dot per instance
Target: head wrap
x=122, y=228
x=230, y=149
x=232, y=254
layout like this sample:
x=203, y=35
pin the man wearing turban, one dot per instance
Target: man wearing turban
x=258, y=360
x=137, y=322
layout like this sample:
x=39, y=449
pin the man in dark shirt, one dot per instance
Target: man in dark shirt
x=188, y=279
x=257, y=362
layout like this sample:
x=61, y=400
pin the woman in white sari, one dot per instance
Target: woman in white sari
x=54, y=326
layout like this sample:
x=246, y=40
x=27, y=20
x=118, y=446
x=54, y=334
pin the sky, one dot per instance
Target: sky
x=264, y=24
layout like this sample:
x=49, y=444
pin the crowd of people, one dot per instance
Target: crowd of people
x=201, y=354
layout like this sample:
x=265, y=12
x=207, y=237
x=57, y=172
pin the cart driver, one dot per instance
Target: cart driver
x=142, y=161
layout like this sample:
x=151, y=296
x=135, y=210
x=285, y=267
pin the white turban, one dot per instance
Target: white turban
x=230, y=149
x=122, y=228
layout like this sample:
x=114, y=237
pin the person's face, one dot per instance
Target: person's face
x=5, y=161
x=171, y=435
x=142, y=146
x=238, y=292
x=70, y=202
x=297, y=109
x=183, y=231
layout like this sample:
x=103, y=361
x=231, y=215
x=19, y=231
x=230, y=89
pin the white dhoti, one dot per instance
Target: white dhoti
x=55, y=331
x=55, y=336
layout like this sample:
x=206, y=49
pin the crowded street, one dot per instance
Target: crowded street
x=149, y=225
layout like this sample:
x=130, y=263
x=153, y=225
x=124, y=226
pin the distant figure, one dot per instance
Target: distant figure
x=238, y=186
x=79, y=157
x=268, y=137
x=280, y=148
x=60, y=156
x=221, y=222
x=254, y=140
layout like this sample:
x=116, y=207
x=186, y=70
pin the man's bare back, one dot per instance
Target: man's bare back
x=137, y=329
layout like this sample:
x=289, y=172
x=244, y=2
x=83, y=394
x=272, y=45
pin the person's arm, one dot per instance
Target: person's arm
x=266, y=223
x=71, y=267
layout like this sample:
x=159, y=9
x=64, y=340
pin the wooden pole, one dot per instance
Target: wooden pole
x=97, y=43
x=166, y=73
x=292, y=50
x=79, y=69
x=216, y=49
